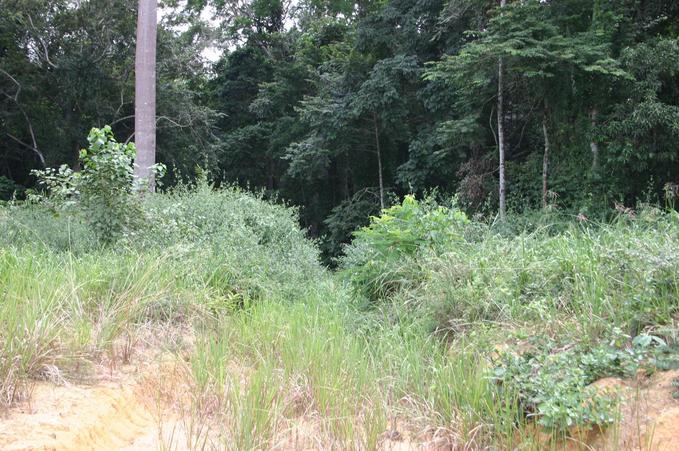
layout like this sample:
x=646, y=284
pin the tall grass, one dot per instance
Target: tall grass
x=624, y=274
x=58, y=311
x=288, y=354
x=350, y=386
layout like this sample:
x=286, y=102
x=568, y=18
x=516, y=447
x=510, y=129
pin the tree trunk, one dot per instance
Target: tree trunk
x=545, y=157
x=145, y=92
x=270, y=178
x=593, y=145
x=344, y=176
x=501, y=132
x=379, y=160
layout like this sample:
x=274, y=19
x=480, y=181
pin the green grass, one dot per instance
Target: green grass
x=356, y=383
x=282, y=342
x=62, y=310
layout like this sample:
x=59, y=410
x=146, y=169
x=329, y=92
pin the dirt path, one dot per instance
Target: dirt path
x=108, y=415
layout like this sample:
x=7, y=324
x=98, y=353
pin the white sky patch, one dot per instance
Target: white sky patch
x=211, y=53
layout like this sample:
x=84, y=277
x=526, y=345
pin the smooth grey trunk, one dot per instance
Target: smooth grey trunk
x=545, y=157
x=593, y=145
x=145, y=92
x=379, y=160
x=501, y=132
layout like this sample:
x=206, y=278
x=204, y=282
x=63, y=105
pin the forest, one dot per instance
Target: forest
x=342, y=107
x=333, y=224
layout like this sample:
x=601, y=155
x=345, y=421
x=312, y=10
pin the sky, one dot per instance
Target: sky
x=212, y=53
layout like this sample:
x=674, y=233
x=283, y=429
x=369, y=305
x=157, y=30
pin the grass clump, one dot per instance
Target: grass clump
x=58, y=311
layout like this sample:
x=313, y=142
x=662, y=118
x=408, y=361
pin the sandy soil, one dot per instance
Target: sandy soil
x=131, y=408
x=650, y=414
x=115, y=407
x=106, y=415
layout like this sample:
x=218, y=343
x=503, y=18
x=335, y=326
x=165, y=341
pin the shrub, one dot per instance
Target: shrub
x=237, y=241
x=406, y=228
x=554, y=387
x=9, y=189
x=103, y=192
x=553, y=380
x=384, y=254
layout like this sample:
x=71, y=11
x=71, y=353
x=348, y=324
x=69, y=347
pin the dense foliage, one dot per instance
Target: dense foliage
x=320, y=103
x=572, y=302
x=374, y=125
x=447, y=322
x=66, y=67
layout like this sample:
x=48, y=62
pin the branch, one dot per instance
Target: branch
x=158, y=118
x=16, y=94
x=103, y=55
x=44, y=46
x=28, y=146
x=172, y=122
x=121, y=119
x=490, y=123
x=129, y=138
x=122, y=103
x=34, y=147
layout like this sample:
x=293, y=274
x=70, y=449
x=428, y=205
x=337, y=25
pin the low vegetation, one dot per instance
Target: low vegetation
x=435, y=328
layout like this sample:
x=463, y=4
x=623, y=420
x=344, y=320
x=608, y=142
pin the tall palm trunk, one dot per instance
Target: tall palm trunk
x=501, y=132
x=145, y=91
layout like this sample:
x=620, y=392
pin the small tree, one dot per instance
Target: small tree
x=107, y=184
x=104, y=191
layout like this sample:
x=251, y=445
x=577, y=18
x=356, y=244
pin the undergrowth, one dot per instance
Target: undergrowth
x=572, y=306
x=437, y=328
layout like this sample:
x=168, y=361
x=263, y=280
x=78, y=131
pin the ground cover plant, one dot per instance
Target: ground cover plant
x=436, y=328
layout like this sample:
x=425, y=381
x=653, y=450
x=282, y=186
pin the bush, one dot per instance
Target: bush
x=553, y=379
x=553, y=385
x=239, y=242
x=103, y=192
x=383, y=255
x=9, y=189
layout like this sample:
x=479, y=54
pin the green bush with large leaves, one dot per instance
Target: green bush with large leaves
x=382, y=257
x=104, y=192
